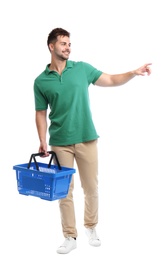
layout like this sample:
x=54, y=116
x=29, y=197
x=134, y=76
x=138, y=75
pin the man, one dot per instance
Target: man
x=63, y=87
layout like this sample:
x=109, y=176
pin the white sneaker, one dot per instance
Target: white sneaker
x=93, y=238
x=68, y=245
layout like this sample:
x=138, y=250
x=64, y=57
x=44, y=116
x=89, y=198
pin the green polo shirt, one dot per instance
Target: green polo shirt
x=67, y=97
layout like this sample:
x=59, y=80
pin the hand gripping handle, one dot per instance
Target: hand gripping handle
x=53, y=156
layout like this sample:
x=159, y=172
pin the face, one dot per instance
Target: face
x=61, y=49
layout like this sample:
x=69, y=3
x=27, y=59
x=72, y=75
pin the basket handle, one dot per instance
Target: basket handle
x=53, y=155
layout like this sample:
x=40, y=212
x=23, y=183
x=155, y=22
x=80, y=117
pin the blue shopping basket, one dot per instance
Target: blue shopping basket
x=46, y=181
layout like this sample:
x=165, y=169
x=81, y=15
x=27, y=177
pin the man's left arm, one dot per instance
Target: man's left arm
x=107, y=80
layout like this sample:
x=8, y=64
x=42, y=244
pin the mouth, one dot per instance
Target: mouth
x=66, y=52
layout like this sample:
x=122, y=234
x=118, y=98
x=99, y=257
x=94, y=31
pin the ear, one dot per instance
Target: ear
x=51, y=46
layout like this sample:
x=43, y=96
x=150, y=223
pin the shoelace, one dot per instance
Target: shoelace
x=93, y=235
x=67, y=239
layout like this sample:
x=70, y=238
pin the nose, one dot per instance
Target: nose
x=68, y=49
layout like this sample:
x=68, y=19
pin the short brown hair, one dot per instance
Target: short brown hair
x=52, y=37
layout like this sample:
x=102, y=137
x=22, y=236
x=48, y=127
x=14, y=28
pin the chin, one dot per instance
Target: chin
x=66, y=58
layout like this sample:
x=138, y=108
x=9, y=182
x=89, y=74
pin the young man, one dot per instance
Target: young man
x=63, y=87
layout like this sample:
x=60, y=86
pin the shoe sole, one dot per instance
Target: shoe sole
x=66, y=252
x=94, y=245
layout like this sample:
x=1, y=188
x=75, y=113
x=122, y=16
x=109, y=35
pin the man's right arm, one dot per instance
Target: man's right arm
x=41, y=124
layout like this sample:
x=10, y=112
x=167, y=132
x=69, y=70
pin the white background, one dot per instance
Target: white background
x=114, y=36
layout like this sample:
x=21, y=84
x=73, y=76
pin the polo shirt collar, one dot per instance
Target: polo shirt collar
x=69, y=64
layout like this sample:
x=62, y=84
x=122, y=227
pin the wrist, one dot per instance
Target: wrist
x=133, y=72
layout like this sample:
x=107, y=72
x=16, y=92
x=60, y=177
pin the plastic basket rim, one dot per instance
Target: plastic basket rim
x=64, y=170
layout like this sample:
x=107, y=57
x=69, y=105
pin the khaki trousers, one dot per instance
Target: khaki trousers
x=86, y=157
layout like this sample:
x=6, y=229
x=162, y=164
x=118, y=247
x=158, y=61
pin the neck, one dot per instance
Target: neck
x=57, y=66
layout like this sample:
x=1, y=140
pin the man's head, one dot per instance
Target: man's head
x=53, y=35
x=59, y=44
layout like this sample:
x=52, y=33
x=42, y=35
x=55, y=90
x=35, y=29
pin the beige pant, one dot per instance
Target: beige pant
x=86, y=157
